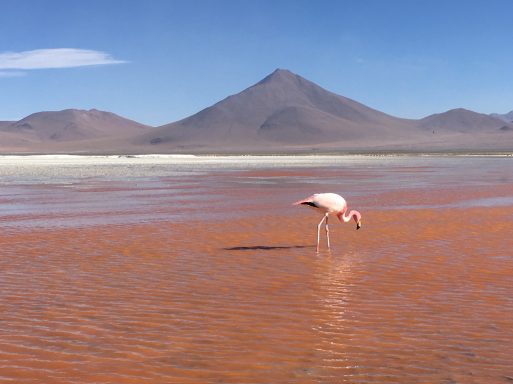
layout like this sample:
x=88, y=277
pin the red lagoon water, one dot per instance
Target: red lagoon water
x=214, y=278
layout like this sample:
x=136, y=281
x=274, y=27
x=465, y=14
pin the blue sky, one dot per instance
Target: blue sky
x=159, y=61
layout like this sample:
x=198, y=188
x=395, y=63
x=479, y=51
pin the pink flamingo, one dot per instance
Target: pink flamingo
x=330, y=203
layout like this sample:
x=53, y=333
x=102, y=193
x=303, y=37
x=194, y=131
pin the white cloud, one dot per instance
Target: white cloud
x=11, y=73
x=53, y=58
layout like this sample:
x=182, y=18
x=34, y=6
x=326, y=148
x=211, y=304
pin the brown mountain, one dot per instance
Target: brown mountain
x=70, y=130
x=72, y=125
x=461, y=120
x=282, y=110
x=464, y=130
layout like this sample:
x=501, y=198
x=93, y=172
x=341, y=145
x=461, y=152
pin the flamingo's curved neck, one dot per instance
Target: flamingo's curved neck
x=348, y=217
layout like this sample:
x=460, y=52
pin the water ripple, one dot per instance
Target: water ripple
x=182, y=280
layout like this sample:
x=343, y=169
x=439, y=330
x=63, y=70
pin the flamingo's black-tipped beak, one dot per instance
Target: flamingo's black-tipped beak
x=358, y=225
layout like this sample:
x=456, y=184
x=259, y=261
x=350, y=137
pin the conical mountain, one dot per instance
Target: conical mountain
x=281, y=109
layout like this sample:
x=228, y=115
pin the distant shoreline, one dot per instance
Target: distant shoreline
x=455, y=153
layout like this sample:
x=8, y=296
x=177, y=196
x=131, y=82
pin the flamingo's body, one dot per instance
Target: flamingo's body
x=327, y=204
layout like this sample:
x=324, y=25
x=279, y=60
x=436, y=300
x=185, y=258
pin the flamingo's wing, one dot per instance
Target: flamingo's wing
x=330, y=202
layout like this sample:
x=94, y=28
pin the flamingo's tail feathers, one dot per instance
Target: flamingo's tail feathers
x=305, y=202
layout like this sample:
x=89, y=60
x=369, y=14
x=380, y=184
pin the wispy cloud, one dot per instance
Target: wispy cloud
x=11, y=73
x=52, y=58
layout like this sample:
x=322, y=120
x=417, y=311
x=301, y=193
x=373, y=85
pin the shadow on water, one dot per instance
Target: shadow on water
x=267, y=247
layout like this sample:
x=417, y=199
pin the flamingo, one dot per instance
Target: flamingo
x=330, y=203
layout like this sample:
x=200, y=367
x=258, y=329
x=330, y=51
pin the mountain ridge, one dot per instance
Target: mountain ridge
x=70, y=124
x=68, y=129
x=282, y=112
x=507, y=117
x=461, y=120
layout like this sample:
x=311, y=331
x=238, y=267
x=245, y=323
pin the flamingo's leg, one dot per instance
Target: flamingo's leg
x=327, y=231
x=319, y=231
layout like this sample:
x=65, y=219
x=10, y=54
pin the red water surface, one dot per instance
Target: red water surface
x=215, y=279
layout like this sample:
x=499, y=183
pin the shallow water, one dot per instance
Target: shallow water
x=202, y=271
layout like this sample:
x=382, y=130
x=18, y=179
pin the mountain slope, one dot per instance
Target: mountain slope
x=461, y=120
x=507, y=117
x=5, y=124
x=72, y=125
x=283, y=108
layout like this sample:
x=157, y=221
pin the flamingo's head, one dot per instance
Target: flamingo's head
x=358, y=218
